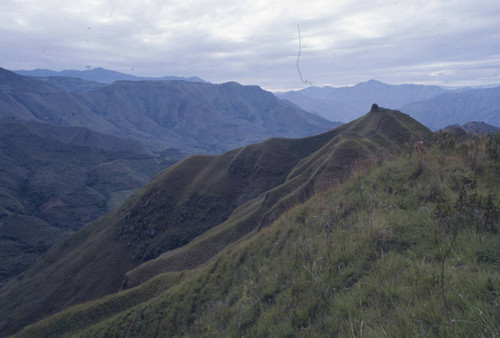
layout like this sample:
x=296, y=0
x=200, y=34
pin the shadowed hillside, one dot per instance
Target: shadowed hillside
x=194, y=209
x=53, y=180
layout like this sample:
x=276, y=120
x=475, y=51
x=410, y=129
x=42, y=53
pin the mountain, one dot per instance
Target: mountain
x=199, y=116
x=172, y=118
x=71, y=84
x=194, y=209
x=54, y=180
x=478, y=128
x=30, y=99
x=188, y=116
x=481, y=104
x=101, y=75
x=347, y=103
x=408, y=246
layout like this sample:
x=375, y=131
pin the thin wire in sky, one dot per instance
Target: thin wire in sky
x=298, y=58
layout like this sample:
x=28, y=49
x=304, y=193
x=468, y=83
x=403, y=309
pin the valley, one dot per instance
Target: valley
x=54, y=180
x=73, y=149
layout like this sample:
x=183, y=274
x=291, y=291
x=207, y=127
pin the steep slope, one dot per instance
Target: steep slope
x=408, y=247
x=187, y=116
x=54, y=180
x=194, y=209
x=347, y=103
x=481, y=105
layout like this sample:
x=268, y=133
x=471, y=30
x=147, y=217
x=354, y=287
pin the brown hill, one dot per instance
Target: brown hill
x=195, y=208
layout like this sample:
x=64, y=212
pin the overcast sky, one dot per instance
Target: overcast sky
x=343, y=42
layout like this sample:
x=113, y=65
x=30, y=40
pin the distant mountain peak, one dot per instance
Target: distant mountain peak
x=372, y=84
x=372, y=81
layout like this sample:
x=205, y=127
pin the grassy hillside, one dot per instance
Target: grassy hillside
x=194, y=209
x=409, y=246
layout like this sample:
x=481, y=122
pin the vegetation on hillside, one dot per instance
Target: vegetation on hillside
x=196, y=208
x=409, y=246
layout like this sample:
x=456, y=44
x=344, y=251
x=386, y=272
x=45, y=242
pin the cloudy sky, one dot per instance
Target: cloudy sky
x=343, y=42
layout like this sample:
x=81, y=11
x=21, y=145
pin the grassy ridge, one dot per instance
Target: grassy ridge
x=194, y=209
x=324, y=160
x=409, y=246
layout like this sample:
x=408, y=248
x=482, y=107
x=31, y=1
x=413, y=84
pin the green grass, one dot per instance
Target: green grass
x=407, y=247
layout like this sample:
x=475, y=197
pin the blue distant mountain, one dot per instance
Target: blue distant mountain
x=481, y=104
x=194, y=117
x=101, y=75
x=348, y=103
x=433, y=106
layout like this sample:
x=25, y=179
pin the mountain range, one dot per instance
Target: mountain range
x=348, y=103
x=482, y=105
x=196, y=208
x=433, y=106
x=73, y=149
x=101, y=75
x=191, y=117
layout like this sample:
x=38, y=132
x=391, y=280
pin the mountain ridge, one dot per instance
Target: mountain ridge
x=101, y=75
x=436, y=107
x=348, y=103
x=193, y=117
x=481, y=105
x=71, y=84
x=365, y=257
x=192, y=210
